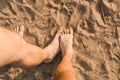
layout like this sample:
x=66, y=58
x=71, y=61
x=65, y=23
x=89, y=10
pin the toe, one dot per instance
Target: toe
x=21, y=28
x=64, y=31
x=67, y=31
x=60, y=30
x=17, y=29
x=71, y=30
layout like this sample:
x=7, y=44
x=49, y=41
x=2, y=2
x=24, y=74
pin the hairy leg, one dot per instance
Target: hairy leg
x=65, y=70
x=15, y=50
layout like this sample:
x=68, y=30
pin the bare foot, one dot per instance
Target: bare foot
x=66, y=41
x=20, y=30
x=54, y=48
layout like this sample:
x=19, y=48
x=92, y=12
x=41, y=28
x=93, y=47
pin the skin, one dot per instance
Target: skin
x=65, y=70
x=18, y=52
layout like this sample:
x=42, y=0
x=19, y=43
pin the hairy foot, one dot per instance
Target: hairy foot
x=66, y=41
x=20, y=30
x=53, y=48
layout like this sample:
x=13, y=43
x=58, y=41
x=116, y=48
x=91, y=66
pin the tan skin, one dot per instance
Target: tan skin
x=15, y=50
x=65, y=68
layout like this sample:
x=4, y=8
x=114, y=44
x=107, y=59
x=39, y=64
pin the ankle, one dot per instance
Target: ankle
x=67, y=53
x=46, y=52
x=67, y=58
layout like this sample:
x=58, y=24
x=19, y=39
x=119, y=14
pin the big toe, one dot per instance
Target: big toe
x=60, y=30
x=21, y=28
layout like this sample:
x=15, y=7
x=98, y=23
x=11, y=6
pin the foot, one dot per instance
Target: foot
x=66, y=41
x=20, y=30
x=54, y=48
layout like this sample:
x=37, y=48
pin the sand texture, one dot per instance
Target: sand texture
x=96, y=25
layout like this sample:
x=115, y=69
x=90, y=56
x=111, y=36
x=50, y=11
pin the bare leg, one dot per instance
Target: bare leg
x=15, y=50
x=65, y=69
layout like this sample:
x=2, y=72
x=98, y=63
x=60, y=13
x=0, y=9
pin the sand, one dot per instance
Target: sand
x=96, y=25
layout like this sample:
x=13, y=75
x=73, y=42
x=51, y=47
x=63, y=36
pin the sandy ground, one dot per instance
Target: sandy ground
x=96, y=25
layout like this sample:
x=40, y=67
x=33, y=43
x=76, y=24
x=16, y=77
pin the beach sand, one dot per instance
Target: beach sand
x=96, y=25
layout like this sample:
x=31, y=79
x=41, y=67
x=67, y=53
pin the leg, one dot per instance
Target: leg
x=65, y=70
x=15, y=50
x=36, y=55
